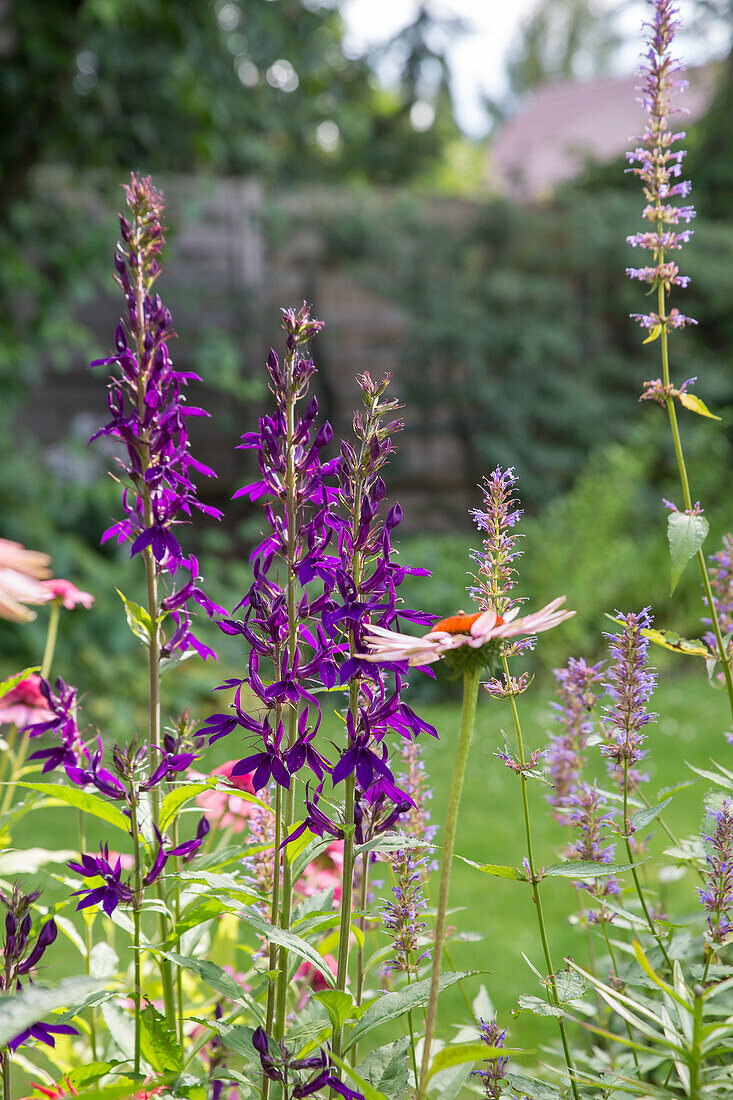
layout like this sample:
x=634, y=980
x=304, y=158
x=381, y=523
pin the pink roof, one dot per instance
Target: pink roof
x=559, y=126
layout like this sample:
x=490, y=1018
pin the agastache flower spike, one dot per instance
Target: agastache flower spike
x=659, y=166
x=494, y=1076
x=401, y=917
x=576, y=699
x=586, y=811
x=629, y=684
x=721, y=583
x=717, y=894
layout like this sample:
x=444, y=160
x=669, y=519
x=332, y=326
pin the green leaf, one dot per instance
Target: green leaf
x=176, y=798
x=695, y=404
x=34, y=1003
x=138, y=619
x=669, y=639
x=167, y=664
x=538, y=1007
x=298, y=946
x=338, y=1005
x=498, y=871
x=644, y=817
x=16, y=862
x=685, y=534
x=390, y=843
x=367, y=1090
x=158, y=1042
x=569, y=985
x=654, y=334
x=386, y=1068
x=527, y=1086
x=203, y=909
x=121, y=1027
x=458, y=1053
x=583, y=868
x=90, y=1073
x=218, y=979
x=14, y=680
x=82, y=800
x=393, y=1005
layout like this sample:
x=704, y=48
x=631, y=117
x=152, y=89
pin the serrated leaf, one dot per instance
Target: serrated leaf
x=669, y=639
x=14, y=680
x=537, y=1090
x=390, y=843
x=138, y=619
x=685, y=535
x=458, y=1053
x=34, y=1003
x=82, y=800
x=176, y=798
x=644, y=817
x=583, y=868
x=392, y=1006
x=158, y=1042
x=16, y=862
x=386, y=1068
x=569, y=985
x=695, y=404
x=538, y=1007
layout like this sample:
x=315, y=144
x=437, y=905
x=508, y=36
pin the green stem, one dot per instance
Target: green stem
x=637, y=882
x=362, y=926
x=614, y=964
x=696, y=1052
x=136, y=929
x=51, y=635
x=552, y=987
x=411, y=1028
x=285, y=915
x=88, y=943
x=468, y=715
x=723, y=654
x=274, y=916
x=179, y=971
x=7, y=1087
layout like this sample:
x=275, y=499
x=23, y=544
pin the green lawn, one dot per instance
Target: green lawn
x=491, y=831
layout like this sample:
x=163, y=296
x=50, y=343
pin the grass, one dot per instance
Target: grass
x=491, y=830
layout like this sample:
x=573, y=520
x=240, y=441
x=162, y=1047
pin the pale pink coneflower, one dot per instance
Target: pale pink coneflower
x=68, y=594
x=21, y=574
x=475, y=631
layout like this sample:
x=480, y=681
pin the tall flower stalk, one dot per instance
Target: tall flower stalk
x=658, y=164
x=149, y=415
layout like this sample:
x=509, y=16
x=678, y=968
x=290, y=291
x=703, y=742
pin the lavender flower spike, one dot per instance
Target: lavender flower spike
x=576, y=699
x=497, y=519
x=401, y=917
x=658, y=165
x=494, y=1076
x=629, y=685
x=717, y=894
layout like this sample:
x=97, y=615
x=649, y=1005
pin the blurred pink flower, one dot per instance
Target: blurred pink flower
x=228, y=810
x=324, y=872
x=21, y=573
x=25, y=705
x=312, y=977
x=68, y=593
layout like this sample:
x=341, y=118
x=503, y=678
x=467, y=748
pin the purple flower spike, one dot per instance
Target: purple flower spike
x=494, y=1076
x=630, y=684
x=573, y=712
x=149, y=415
x=717, y=894
x=659, y=166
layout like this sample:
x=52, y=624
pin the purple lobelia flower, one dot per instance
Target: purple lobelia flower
x=23, y=949
x=149, y=415
x=113, y=890
x=658, y=164
x=71, y=750
x=298, y=1076
x=630, y=683
x=576, y=699
x=494, y=1076
x=717, y=893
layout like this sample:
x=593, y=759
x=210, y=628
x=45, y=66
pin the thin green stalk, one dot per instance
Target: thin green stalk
x=285, y=915
x=468, y=715
x=88, y=943
x=637, y=882
x=552, y=987
x=724, y=656
x=411, y=1028
x=136, y=930
x=179, y=971
x=7, y=1086
x=696, y=1051
x=347, y=884
x=614, y=964
x=51, y=635
x=359, y=991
